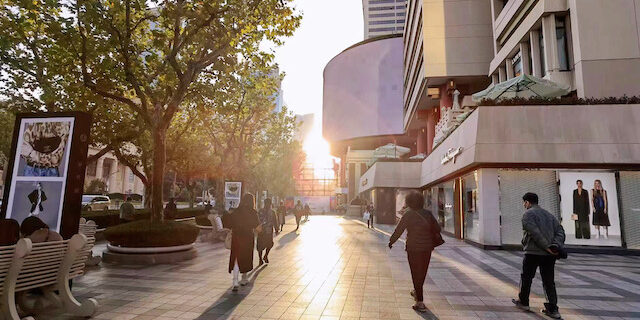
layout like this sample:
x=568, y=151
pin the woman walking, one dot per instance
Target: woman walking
x=282, y=213
x=423, y=235
x=269, y=222
x=242, y=222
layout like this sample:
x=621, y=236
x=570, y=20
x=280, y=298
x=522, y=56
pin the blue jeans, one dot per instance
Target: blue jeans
x=40, y=171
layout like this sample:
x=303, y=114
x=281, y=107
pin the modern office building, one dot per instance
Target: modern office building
x=383, y=17
x=478, y=161
x=591, y=46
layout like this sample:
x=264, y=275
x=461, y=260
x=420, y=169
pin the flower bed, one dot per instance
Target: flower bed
x=110, y=218
x=147, y=234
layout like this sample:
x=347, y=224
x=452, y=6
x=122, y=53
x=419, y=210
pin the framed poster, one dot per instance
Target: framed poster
x=232, y=194
x=45, y=177
x=589, y=208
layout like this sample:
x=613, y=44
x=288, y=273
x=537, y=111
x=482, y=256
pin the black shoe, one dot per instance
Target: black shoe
x=520, y=305
x=266, y=259
x=260, y=263
x=413, y=294
x=551, y=314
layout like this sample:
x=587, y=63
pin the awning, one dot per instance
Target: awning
x=522, y=86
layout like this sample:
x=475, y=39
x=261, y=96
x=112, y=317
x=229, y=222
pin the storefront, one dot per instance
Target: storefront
x=475, y=179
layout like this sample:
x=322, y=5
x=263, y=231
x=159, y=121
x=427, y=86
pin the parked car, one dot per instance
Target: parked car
x=95, y=202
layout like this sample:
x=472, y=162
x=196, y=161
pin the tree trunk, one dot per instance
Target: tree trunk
x=157, y=179
x=220, y=192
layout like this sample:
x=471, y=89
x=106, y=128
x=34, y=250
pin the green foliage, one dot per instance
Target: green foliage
x=145, y=234
x=96, y=186
x=7, y=119
x=134, y=64
x=108, y=218
x=203, y=221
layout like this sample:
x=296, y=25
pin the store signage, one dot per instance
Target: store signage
x=365, y=181
x=450, y=155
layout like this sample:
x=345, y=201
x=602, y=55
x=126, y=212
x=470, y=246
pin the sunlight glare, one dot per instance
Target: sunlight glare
x=318, y=150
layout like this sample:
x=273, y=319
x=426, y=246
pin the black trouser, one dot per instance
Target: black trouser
x=419, y=264
x=298, y=221
x=529, y=265
x=369, y=224
x=583, y=229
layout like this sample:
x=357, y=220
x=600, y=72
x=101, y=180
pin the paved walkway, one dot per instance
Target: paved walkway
x=336, y=268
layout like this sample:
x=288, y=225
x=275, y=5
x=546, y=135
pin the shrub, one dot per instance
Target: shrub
x=145, y=234
x=111, y=218
x=569, y=100
x=202, y=220
x=96, y=186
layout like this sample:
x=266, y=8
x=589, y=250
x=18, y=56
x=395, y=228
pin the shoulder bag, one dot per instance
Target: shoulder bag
x=436, y=237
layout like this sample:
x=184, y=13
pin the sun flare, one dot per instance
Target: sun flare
x=318, y=151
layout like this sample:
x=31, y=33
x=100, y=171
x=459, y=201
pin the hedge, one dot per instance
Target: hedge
x=109, y=218
x=569, y=100
x=147, y=234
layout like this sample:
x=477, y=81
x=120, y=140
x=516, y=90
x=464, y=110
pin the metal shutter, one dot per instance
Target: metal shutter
x=513, y=185
x=630, y=205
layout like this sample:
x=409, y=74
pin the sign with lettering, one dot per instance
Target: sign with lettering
x=450, y=155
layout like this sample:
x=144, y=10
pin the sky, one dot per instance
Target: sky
x=327, y=28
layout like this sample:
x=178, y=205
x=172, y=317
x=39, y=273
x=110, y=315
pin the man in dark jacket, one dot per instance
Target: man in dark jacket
x=543, y=236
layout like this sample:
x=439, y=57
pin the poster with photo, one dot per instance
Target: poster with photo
x=232, y=194
x=40, y=170
x=589, y=205
x=40, y=181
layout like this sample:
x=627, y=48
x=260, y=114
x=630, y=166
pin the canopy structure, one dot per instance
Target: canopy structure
x=390, y=150
x=522, y=86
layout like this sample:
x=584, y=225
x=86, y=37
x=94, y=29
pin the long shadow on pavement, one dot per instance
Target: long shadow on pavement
x=230, y=300
x=286, y=239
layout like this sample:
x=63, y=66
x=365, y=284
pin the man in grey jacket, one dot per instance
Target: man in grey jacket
x=542, y=239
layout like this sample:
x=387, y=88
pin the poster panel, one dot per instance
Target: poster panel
x=232, y=194
x=40, y=181
x=589, y=206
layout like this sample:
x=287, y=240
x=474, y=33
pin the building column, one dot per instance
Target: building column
x=550, y=43
x=432, y=120
x=502, y=74
x=536, y=63
x=510, y=73
x=495, y=79
x=422, y=144
x=524, y=53
x=113, y=177
x=489, y=207
x=99, y=167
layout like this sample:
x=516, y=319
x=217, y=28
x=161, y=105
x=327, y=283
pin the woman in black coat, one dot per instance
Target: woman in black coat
x=423, y=235
x=242, y=222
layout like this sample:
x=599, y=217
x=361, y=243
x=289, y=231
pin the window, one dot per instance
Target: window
x=561, y=38
x=92, y=168
x=381, y=22
x=517, y=65
x=470, y=207
x=131, y=176
x=381, y=15
x=446, y=206
x=543, y=62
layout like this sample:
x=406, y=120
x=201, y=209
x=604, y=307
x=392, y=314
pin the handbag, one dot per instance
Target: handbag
x=437, y=237
x=227, y=240
x=574, y=217
x=366, y=215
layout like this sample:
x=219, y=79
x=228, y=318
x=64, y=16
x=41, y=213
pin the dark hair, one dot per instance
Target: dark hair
x=414, y=201
x=31, y=225
x=531, y=197
x=267, y=203
x=579, y=181
x=9, y=232
x=248, y=201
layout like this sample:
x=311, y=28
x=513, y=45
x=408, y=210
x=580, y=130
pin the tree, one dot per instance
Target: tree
x=96, y=186
x=147, y=59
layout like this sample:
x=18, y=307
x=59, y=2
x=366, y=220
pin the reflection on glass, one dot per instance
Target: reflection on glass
x=470, y=207
x=445, y=206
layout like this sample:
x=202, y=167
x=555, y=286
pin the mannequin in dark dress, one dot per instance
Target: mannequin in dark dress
x=581, y=209
x=600, y=208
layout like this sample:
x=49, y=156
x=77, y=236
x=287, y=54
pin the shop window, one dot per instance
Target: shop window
x=517, y=65
x=446, y=206
x=629, y=203
x=92, y=167
x=543, y=61
x=563, y=48
x=470, y=207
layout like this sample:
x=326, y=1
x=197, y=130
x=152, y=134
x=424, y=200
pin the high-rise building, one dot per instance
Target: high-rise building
x=383, y=17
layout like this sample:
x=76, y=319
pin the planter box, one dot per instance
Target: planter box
x=160, y=255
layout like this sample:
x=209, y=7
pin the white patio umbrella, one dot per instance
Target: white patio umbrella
x=522, y=86
x=390, y=150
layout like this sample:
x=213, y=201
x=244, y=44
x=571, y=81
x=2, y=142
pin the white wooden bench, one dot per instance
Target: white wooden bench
x=89, y=229
x=48, y=266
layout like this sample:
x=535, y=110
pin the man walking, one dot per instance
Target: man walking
x=542, y=240
x=127, y=211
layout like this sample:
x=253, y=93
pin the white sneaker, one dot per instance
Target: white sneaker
x=244, y=281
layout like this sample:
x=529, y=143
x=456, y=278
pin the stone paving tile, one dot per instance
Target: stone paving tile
x=335, y=268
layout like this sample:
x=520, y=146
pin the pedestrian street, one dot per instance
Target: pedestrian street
x=336, y=268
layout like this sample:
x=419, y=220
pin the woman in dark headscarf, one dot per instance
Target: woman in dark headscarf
x=242, y=222
x=269, y=221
